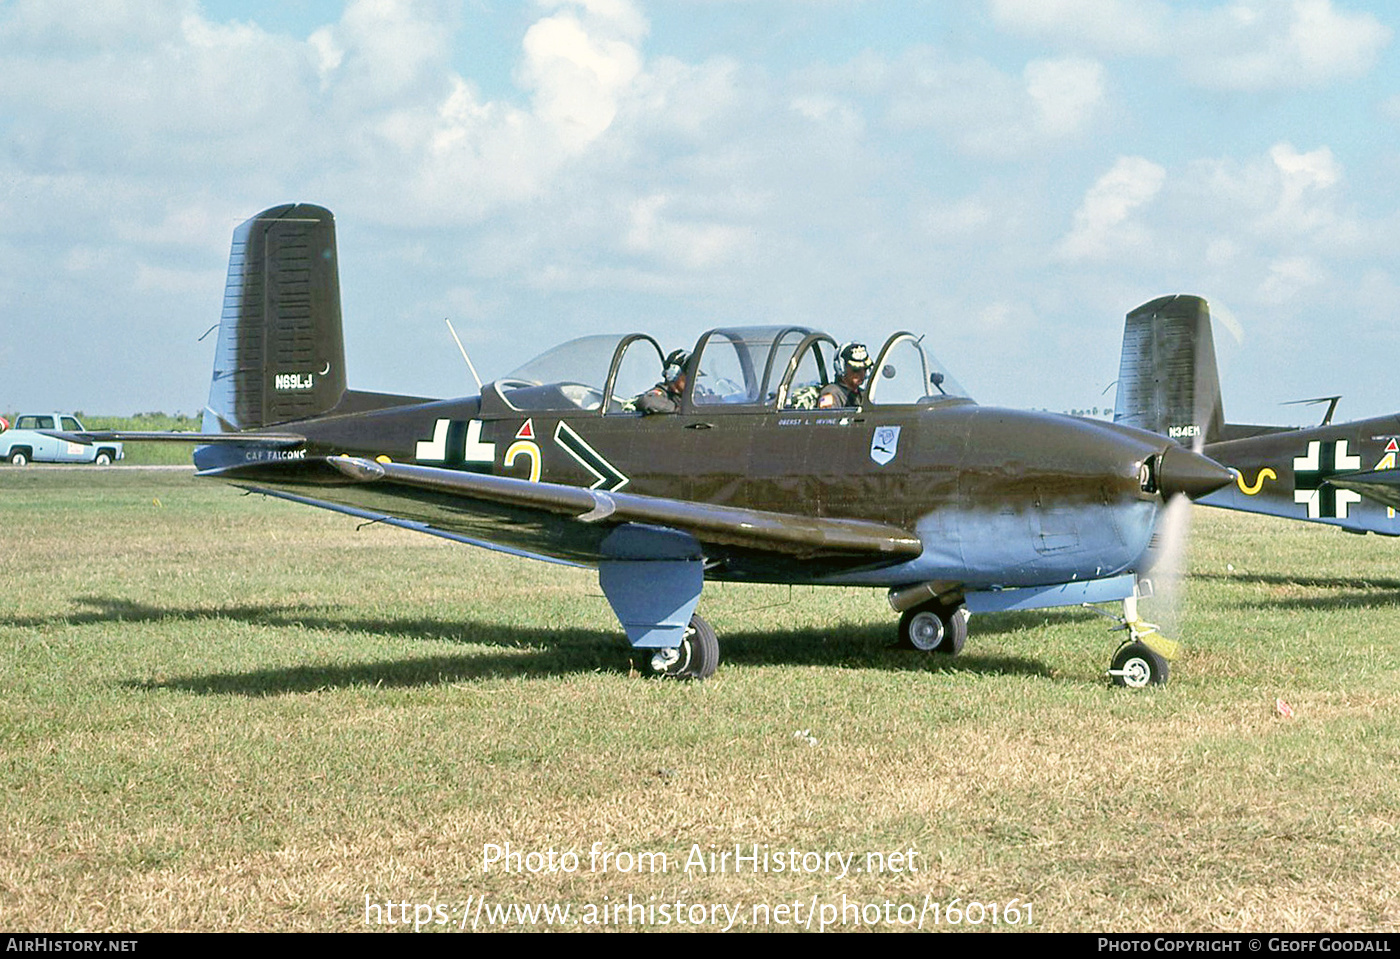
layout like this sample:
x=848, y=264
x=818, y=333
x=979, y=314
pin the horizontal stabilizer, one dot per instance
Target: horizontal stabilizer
x=269, y=440
x=1383, y=486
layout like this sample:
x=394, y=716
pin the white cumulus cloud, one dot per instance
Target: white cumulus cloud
x=1112, y=26
x=1267, y=44
x=1065, y=93
x=986, y=111
x=1103, y=224
x=579, y=74
x=1234, y=45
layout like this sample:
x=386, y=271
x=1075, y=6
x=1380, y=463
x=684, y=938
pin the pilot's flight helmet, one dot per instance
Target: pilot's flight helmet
x=675, y=365
x=852, y=356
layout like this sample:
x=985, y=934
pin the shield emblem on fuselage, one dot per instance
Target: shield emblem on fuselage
x=884, y=444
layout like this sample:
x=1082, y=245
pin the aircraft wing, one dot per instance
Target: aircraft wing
x=571, y=524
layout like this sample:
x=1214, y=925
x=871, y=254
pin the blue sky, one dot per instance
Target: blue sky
x=1008, y=176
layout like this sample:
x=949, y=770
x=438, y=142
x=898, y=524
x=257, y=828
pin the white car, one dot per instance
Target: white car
x=28, y=442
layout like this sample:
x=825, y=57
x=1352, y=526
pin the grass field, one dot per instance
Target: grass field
x=222, y=712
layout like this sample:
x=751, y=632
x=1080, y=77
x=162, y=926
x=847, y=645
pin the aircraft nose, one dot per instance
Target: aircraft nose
x=1179, y=470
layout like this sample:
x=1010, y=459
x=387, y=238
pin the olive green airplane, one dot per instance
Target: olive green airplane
x=1339, y=474
x=756, y=475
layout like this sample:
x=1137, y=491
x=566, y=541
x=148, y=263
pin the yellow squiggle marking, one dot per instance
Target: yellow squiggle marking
x=1265, y=473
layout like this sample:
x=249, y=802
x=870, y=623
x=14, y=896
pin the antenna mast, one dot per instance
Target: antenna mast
x=463, y=349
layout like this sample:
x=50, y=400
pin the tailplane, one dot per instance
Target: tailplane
x=281, y=354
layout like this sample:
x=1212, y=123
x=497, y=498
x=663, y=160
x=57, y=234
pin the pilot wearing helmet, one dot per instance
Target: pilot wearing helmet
x=851, y=366
x=665, y=397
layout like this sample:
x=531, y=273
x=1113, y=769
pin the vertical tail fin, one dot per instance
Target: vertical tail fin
x=1167, y=378
x=280, y=355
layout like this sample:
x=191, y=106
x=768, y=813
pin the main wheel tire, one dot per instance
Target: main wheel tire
x=1136, y=666
x=922, y=629
x=19, y=458
x=934, y=628
x=697, y=657
x=956, y=635
x=104, y=458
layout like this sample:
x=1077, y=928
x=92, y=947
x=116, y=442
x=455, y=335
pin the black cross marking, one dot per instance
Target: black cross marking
x=1316, y=480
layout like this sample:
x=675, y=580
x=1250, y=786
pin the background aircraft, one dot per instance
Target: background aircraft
x=1341, y=474
x=954, y=507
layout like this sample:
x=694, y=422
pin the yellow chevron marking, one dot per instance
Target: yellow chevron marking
x=1387, y=463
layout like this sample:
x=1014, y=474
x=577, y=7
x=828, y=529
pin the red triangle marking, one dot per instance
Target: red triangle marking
x=1392, y=446
x=526, y=432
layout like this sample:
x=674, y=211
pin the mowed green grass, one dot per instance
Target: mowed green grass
x=224, y=712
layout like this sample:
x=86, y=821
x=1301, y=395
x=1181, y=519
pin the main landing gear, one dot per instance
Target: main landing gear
x=652, y=579
x=696, y=657
x=934, y=627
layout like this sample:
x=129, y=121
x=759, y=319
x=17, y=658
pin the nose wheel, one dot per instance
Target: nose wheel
x=1136, y=666
x=1142, y=659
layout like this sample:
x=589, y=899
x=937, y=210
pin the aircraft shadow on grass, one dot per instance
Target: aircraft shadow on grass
x=1312, y=582
x=603, y=654
x=537, y=652
x=1343, y=593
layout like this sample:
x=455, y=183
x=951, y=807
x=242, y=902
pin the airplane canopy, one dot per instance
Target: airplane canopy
x=731, y=367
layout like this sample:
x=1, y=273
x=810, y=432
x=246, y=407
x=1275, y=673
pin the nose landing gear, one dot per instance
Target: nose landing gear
x=1143, y=658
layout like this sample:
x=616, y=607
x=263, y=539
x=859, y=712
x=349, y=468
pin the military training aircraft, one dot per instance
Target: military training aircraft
x=955, y=508
x=1341, y=474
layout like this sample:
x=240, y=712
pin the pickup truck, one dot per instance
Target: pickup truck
x=27, y=442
